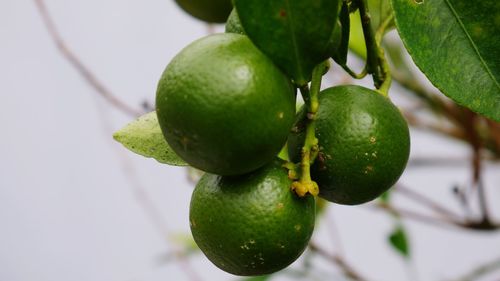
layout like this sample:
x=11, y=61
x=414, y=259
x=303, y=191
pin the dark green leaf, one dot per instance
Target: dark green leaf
x=340, y=55
x=399, y=241
x=456, y=44
x=293, y=33
x=143, y=136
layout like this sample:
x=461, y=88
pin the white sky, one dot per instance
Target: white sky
x=67, y=204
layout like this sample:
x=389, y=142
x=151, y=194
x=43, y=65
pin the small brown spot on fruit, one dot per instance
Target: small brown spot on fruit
x=184, y=142
x=368, y=169
x=282, y=13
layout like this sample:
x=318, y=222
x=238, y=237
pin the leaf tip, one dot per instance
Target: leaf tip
x=117, y=136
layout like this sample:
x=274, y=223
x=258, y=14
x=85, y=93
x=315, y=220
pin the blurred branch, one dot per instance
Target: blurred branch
x=347, y=269
x=444, y=222
x=415, y=196
x=88, y=76
x=477, y=131
x=480, y=271
x=435, y=127
x=467, y=125
x=147, y=205
x=435, y=221
x=140, y=193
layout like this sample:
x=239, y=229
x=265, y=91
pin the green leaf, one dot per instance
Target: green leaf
x=399, y=241
x=293, y=33
x=456, y=44
x=386, y=196
x=340, y=54
x=283, y=154
x=144, y=137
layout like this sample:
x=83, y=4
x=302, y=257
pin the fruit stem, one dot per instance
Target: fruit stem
x=310, y=148
x=384, y=88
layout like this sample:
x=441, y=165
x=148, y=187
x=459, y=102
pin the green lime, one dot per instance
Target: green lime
x=223, y=106
x=233, y=24
x=251, y=224
x=215, y=11
x=364, y=144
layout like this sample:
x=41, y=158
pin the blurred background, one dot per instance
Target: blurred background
x=75, y=205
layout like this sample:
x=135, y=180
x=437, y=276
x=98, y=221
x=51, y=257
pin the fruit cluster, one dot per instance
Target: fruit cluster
x=225, y=108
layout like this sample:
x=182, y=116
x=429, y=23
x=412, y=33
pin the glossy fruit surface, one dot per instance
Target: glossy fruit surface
x=251, y=224
x=215, y=11
x=223, y=106
x=364, y=144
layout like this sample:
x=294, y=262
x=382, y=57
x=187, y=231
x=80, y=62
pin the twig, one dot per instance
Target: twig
x=89, y=77
x=347, y=269
x=483, y=203
x=440, y=222
x=415, y=196
x=334, y=233
x=146, y=203
x=480, y=271
x=416, y=122
x=139, y=191
x=469, y=124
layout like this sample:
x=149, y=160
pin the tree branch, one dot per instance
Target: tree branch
x=440, y=222
x=417, y=197
x=480, y=271
x=347, y=269
x=88, y=76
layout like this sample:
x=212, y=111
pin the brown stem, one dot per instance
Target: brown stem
x=415, y=196
x=89, y=77
x=481, y=271
x=417, y=122
x=140, y=193
x=146, y=203
x=441, y=222
x=347, y=269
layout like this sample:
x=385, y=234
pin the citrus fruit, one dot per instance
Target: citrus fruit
x=251, y=224
x=364, y=144
x=223, y=106
x=233, y=24
x=215, y=11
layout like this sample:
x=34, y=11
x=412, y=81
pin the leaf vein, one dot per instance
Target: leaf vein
x=294, y=41
x=462, y=26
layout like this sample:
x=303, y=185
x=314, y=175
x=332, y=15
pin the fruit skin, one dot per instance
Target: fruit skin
x=251, y=224
x=215, y=11
x=223, y=106
x=364, y=144
x=233, y=24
